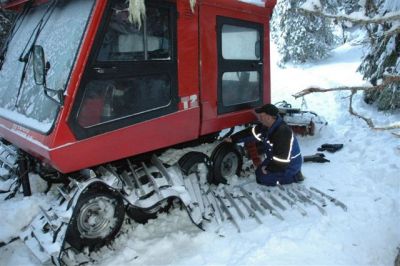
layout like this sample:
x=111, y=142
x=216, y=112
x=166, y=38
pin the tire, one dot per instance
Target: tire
x=189, y=162
x=98, y=217
x=227, y=162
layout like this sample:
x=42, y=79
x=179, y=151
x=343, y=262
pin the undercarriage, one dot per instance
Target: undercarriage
x=213, y=183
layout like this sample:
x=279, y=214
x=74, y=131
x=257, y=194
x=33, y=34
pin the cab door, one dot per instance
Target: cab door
x=240, y=64
x=232, y=65
x=132, y=73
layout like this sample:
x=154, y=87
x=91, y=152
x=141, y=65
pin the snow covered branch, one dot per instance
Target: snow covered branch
x=359, y=20
x=387, y=80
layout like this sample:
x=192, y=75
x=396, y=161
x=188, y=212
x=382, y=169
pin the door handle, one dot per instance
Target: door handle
x=105, y=70
x=254, y=65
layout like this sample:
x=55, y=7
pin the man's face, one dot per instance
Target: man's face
x=266, y=120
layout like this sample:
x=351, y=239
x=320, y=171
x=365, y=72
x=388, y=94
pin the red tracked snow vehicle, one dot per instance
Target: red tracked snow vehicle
x=90, y=98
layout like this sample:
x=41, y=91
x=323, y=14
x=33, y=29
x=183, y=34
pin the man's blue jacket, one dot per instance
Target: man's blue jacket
x=283, y=158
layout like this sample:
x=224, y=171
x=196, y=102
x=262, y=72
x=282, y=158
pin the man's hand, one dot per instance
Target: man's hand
x=228, y=139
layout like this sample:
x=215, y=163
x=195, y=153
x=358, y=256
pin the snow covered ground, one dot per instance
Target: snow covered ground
x=364, y=175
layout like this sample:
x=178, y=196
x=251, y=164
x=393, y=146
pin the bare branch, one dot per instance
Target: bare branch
x=351, y=110
x=395, y=126
x=391, y=79
x=312, y=90
x=388, y=79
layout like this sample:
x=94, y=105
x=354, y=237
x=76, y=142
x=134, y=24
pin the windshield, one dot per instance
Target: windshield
x=60, y=38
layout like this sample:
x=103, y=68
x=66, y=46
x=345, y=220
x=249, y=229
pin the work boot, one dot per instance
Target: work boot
x=299, y=177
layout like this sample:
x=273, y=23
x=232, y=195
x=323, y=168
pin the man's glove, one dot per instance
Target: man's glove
x=316, y=158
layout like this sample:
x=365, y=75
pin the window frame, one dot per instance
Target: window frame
x=238, y=65
x=107, y=70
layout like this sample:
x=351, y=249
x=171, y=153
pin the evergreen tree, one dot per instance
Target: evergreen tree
x=300, y=37
x=383, y=58
x=349, y=6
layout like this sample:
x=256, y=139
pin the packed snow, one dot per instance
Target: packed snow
x=364, y=175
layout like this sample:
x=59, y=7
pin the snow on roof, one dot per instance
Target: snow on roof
x=254, y=2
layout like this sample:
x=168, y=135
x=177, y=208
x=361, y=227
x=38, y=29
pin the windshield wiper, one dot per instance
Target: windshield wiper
x=14, y=29
x=24, y=57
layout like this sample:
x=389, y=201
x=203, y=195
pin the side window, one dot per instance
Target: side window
x=240, y=64
x=125, y=41
x=107, y=100
x=132, y=76
x=240, y=43
x=240, y=87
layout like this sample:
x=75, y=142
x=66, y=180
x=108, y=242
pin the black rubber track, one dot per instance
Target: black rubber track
x=192, y=158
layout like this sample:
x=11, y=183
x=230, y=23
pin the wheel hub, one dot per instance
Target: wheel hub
x=229, y=165
x=96, y=218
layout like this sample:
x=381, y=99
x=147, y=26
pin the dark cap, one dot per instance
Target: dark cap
x=269, y=109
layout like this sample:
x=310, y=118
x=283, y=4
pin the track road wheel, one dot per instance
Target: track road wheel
x=97, y=219
x=190, y=161
x=227, y=162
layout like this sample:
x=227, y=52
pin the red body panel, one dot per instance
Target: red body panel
x=197, y=79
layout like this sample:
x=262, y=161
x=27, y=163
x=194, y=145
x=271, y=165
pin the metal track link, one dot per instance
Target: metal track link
x=228, y=213
x=332, y=199
x=147, y=186
x=268, y=206
x=8, y=157
x=305, y=199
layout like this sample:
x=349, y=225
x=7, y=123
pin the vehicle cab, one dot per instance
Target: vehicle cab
x=81, y=85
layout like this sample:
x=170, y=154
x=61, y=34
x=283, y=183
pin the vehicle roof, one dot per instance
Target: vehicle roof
x=15, y=4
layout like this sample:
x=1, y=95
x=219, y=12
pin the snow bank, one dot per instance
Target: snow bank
x=16, y=214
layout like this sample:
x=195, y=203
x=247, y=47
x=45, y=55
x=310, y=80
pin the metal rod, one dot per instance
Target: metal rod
x=228, y=213
x=232, y=201
x=250, y=210
x=305, y=199
x=254, y=203
x=332, y=199
x=214, y=203
x=161, y=167
x=151, y=178
x=24, y=176
x=267, y=206
x=136, y=178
